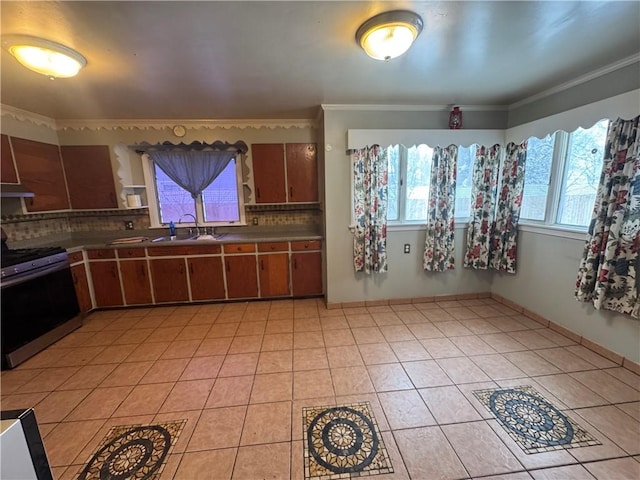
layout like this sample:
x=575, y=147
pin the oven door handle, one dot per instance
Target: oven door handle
x=33, y=274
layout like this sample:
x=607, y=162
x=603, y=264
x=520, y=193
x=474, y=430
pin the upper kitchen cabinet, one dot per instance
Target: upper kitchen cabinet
x=7, y=169
x=268, y=172
x=302, y=172
x=89, y=176
x=270, y=163
x=40, y=169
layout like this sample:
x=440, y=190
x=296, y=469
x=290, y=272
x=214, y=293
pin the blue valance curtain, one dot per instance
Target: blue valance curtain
x=193, y=166
x=370, y=209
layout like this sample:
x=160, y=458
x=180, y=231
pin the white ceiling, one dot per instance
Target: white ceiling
x=216, y=60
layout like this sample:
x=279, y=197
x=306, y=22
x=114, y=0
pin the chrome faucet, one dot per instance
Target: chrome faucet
x=195, y=220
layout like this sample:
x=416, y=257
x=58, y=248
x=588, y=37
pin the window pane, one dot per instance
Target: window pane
x=173, y=200
x=221, y=197
x=582, y=174
x=418, y=178
x=464, y=179
x=536, y=177
x=393, y=182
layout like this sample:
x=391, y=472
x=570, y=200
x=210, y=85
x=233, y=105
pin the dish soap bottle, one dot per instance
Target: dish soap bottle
x=172, y=230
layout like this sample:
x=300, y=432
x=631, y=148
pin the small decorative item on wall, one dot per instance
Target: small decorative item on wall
x=455, y=118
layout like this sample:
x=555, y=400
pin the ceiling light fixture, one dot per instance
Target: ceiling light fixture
x=389, y=34
x=44, y=56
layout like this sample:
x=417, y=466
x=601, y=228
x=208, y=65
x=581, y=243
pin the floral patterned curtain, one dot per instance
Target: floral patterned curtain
x=504, y=236
x=370, y=209
x=610, y=262
x=439, y=245
x=483, y=196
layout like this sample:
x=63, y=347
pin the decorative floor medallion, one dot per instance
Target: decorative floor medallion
x=343, y=442
x=131, y=452
x=532, y=422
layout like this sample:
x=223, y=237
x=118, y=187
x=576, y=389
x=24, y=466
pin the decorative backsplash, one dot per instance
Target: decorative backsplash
x=38, y=225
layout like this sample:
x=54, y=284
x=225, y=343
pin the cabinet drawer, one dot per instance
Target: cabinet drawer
x=273, y=247
x=203, y=249
x=239, y=248
x=306, y=245
x=168, y=251
x=76, y=257
x=101, y=253
x=131, y=252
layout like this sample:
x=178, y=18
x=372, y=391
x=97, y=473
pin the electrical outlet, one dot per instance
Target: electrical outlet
x=254, y=220
x=128, y=225
x=407, y=248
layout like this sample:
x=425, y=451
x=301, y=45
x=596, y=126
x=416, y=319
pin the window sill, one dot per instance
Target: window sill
x=554, y=231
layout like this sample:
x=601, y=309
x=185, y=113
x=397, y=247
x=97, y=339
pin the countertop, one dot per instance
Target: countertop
x=102, y=239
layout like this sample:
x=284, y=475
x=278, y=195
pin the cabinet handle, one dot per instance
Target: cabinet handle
x=258, y=192
x=114, y=272
x=290, y=192
x=112, y=197
x=261, y=264
x=295, y=263
x=75, y=279
x=142, y=273
x=181, y=269
x=273, y=247
x=191, y=268
x=228, y=267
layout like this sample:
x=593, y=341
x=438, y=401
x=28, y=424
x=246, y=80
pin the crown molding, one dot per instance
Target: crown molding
x=26, y=116
x=413, y=108
x=198, y=124
x=578, y=81
x=154, y=124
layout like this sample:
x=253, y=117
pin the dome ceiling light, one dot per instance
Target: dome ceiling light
x=389, y=34
x=44, y=56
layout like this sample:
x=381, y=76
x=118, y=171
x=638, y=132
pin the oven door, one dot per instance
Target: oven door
x=36, y=311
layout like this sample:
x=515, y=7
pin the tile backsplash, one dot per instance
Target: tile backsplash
x=32, y=226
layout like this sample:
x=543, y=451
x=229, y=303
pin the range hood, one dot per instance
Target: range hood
x=14, y=190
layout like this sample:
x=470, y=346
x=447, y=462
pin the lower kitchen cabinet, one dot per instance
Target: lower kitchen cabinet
x=242, y=279
x=135, y=282
x=306, y=273
x=206, y=278
x=106, y=283
x=169, y=278
x=274, y=275
x=81, y=284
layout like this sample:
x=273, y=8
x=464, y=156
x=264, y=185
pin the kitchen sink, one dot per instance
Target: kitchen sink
x=185, y=238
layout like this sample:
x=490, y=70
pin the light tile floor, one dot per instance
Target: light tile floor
x=241, y=373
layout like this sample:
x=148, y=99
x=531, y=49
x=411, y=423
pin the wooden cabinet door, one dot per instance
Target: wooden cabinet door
x=169, y=280
x=106, y=283
x=80, y=282
x=306, y=273
x=7, y=168
x=206, y=278
x=89, y=176
x=242, y=279
x=268, y=172
x=40, y=170
x=274, y=275
x=135, y=282
x=302, y=172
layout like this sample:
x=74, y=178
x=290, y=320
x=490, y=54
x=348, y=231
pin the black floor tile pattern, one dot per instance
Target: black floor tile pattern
x=532, y=422
x=343, y=442
x=133, y=452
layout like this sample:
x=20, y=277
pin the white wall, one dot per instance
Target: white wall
x=545, y=284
